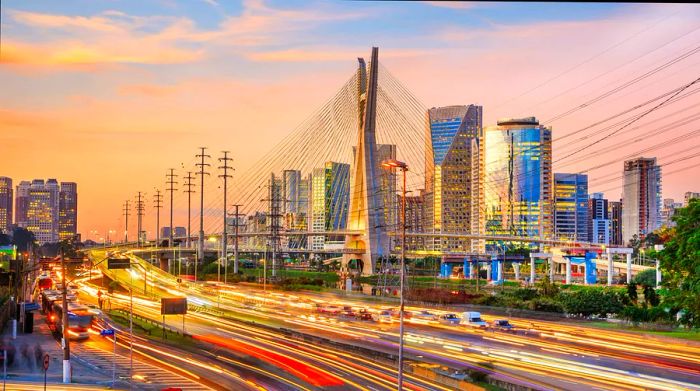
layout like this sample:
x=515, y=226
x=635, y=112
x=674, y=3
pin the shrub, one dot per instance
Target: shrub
x=524, y=294
x=545, y=304
x=478, y=376
x=646, y=277
x=592, y=301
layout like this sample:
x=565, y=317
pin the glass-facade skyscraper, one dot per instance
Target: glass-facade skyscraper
x=571, y=207
x=518, y=184
x=453, y=176
x=5, y=204
x=330, y=198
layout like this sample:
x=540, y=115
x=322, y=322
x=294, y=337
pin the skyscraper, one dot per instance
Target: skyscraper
x=599, y=226
x=330, y=186
x=641, y=199
x=615, y=212
x=454, y=164
x=668, y=210
x=22, y=203
x=5, y=204
x=48, y=210
x=290, y=190
x=571, y=207
x=68, y=211
x=519, y=178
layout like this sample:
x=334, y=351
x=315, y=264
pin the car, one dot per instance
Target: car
x=348, y=311
x=449, y=319
x=382, y=316
x=329, y=309
x=502, y=324
x=473, y=319
x=424, y=316
x=363, y=314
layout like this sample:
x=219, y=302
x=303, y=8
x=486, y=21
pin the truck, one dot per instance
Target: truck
x=472, y=319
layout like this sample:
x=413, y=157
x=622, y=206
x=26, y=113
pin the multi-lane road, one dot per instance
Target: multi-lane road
x=251, y=330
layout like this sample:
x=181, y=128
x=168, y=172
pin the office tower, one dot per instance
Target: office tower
x=689, y=195
x=454, y=164
x=571, y=207
x=68, y=211
x=330, y=186
x=641, y=199
x=290, y=190
x=6, y=200
x=42, y=210
x=22, y=203
x=615, y=213
x=415, y=220
x=519, y=178
x=599, y=226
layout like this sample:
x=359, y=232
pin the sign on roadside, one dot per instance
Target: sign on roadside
x=173, y=306
x=46, y=362
x=118, y=263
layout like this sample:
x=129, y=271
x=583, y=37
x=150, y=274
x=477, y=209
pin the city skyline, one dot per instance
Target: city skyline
x=187, y=108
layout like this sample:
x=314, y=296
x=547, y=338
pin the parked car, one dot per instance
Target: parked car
x=449, y=319
x=502, y=324
x=473, y=319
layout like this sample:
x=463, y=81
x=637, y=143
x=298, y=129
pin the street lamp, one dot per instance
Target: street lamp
x=391, y=164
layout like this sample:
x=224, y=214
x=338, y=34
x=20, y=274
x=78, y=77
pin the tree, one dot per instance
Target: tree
x=632, y=291
x=650, y=296
x=23, y=239
x=680, y=259
x=646, y=277
x=5, y=240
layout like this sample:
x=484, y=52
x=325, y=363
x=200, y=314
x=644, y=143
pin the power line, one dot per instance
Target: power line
x=201, y=174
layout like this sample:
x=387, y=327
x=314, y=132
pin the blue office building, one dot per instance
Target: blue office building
x=571, y=207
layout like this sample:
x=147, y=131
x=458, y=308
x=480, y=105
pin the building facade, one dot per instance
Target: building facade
x=689, y=195
x=599, y=226
x=454, y=167
x=518, y=184
x=330, y=197
x=641, y=199
x=68, y=211
x=47, y=209
x=415, y=220
x=6, y=200
x=615, y=213
x=668, y=210
x=571, y=207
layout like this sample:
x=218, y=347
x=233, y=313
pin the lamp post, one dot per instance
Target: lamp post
x=392, y=164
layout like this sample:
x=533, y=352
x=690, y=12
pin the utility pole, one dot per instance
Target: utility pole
x=224, y=236
x=274, y=214
x=171, y=183
x=235, y=246
x=64, y=328
x=139, y=215
x=158, y=201
x=189, y=192
x=126, y=221
x=201, y=173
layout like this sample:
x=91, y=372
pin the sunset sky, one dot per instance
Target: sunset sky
x=110, y=94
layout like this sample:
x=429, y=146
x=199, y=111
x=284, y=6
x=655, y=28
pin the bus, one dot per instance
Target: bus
x=48, y=297
x=80, y=320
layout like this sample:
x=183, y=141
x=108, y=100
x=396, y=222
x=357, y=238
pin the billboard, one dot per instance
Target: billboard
x=173, y=306
x=118, y=263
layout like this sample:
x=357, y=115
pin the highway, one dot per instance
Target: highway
x=544, y=355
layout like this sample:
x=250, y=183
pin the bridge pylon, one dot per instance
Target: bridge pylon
x=366, y=211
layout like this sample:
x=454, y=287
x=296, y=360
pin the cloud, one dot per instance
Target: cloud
x=457, y=5
x=328, y=54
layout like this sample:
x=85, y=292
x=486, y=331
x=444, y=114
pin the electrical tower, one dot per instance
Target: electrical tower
x=171, y=188
x=201, y=173
x=139, y=215
x=188, y=189
x=158, y=203
x=274, y=199
x=224, y=236
x=126, y=221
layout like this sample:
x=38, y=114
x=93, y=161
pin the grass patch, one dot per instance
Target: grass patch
x=692, y=335
x=151, y=329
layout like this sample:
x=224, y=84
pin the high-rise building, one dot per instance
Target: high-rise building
x=415, y=220
x=290, y=190
x=48, y=210
x=615, y=213
x=22, y=203
x=668, y=210
x=5, y=204
x=689, y=195
x=571, y=207
x=641, y=199
x=454, y=164
x=599, y=224
x=330, y=186
x=519, y=178
x=68, y=211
